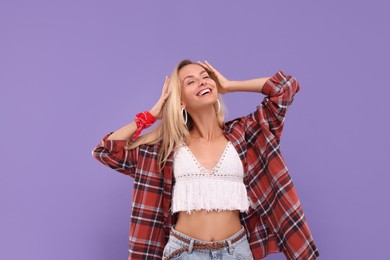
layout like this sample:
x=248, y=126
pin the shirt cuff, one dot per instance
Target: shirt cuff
x=277, y=80
x=112, y=145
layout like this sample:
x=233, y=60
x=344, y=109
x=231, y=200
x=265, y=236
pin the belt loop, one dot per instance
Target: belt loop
x=191, y=246
x=230, y=248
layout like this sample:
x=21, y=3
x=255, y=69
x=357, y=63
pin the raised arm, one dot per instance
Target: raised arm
x=226, y=86
x=126, y=132
x=110, y=151
x=279, y=90
x=112, y=154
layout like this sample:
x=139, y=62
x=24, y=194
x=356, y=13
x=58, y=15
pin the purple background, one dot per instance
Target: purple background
x=71, y=71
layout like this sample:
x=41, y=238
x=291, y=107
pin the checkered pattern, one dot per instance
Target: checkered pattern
x=275, y=222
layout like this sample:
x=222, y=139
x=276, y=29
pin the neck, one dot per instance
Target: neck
x=205, y=125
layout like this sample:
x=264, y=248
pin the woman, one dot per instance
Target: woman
x=205, y=188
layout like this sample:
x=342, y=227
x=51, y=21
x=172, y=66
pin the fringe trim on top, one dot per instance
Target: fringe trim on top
x=210, y=195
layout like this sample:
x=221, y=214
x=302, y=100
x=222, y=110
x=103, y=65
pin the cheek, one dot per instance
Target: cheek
x=185, y=95
x=212, y=82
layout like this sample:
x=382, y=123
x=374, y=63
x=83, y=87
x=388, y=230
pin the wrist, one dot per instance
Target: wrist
x=232, y=86
x=153, y=113
x=143, y=120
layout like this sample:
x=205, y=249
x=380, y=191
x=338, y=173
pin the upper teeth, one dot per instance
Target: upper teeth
x=204, y=92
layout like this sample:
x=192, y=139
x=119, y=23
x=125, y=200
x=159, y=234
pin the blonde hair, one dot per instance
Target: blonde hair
x=172, y=128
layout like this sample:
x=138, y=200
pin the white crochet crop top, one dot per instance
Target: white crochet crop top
x=197, y=188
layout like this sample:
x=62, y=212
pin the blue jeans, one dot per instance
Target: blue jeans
x=237, y=250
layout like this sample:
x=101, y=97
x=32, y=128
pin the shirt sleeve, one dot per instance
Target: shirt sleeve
x=112, y=154
x=279, y=90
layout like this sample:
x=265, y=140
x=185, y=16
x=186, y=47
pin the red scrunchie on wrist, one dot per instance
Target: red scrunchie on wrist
x=143, y=120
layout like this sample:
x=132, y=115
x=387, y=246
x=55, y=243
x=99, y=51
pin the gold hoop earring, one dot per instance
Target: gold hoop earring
x=185, y=115
x=219, y=107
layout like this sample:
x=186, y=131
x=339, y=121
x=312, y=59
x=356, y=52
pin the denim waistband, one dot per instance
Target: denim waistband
x=192, y=240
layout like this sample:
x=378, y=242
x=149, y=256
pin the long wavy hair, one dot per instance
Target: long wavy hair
x=172, y=128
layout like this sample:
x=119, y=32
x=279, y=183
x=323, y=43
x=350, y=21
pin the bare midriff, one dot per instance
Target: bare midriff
x=209, y=226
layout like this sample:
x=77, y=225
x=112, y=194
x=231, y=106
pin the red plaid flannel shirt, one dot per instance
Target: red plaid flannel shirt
x=275, y=222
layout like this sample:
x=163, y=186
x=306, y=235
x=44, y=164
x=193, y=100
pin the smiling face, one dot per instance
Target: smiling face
x=197, y=88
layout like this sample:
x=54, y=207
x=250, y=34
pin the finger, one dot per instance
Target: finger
x=166, y=84
x=204, y=66
x=210, y=66
x=166, y=94
x=166, y=91
x=201, y=63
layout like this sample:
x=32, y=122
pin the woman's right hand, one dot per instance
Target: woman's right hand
x=156, y=109
x=222, y=82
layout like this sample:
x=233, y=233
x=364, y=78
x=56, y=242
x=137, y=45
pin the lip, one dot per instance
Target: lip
x=197, y=94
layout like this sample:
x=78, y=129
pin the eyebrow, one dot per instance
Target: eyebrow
x=191, y=76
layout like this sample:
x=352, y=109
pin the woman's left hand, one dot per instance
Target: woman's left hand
x=222, y=82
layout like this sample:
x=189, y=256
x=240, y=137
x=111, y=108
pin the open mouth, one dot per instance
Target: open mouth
x=204, y=92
